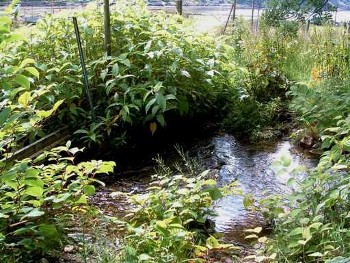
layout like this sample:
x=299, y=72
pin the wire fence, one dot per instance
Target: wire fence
x=205, y=17
x=32, y=11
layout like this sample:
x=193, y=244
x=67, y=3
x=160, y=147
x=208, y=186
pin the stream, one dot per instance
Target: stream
x=251, y=165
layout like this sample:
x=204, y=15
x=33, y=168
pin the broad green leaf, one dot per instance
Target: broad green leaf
x=248, y=200
x=215, y=193
x=37, y=182
x=35, y=191
x=15, y=91
x=333, y=129
x=161, y=101
x=4, y=29
x=4, y=114
x=106, y=167
x=6, y=85
x=302, y=242
x=89, y=190
x=22, y=80
x=48, y=231
x=34, y=213
x=296, y=231
x=25, y=62
x=334, y=194
x=24, y=99
x=62, y=197
x=304, y=221
x=126, y=62
x=210, y=182
x=160, y=119
x=15, y=38
x=5, y=20
x=200, y=250
x=2, y=215
x=103, y=74
x=32, y=173
x=155, y=110
x=170, y=97
x=306, y=233
x=161, y=224
x=33, y=71
x=316, y=225
x=156, y=88
x=178, y=226
x=212, y=242
x=293, y=244
x=181, y=234
x=81, y=200
x=21, y=231
x=326, y=142
x=48, y=113
x=115, y=69
x=149, y=104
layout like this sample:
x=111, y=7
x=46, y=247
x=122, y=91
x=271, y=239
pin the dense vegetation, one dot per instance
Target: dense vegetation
x=159, y=72
x=312, y=224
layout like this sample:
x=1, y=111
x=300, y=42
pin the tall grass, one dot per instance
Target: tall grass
x=312, y=224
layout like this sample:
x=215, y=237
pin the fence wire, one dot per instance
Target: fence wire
x=205, y=17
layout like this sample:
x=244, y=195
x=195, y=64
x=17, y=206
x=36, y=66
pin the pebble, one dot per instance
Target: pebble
x=69, y=249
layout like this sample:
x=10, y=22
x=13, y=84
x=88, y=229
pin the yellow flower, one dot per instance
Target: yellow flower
x=316, y=74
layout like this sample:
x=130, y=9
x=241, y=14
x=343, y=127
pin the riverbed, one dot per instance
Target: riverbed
x=253, y=165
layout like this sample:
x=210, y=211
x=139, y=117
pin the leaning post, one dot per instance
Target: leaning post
x=83, y=67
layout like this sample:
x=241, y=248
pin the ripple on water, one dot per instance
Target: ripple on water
x=253, y=168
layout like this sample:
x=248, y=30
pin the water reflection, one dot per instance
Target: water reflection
x=253, y=168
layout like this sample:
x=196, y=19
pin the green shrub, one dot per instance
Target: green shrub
x=35, y=198
x=312, y=224
x=156, y=67
x=261, y=84
x=171, y=222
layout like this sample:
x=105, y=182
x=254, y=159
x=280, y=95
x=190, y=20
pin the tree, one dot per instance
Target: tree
x=179, y=5
x=296, y=10
x=107, y=27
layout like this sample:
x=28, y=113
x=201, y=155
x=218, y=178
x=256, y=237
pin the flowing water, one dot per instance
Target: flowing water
x=250, y=165
x=254, y=167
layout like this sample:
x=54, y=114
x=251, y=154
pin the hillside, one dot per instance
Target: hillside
x=343, y=4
